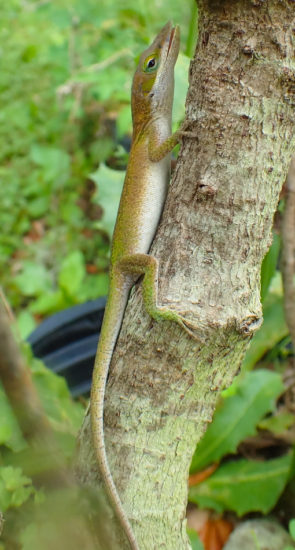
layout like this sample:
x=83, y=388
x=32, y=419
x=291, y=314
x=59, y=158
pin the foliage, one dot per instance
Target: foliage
x=292, y=533
x=65, y=81
x=15, y=488
x=109, y=186
x=241, y=485
x=18, y=465
x=236, y=417
x=244, y=485
x=274, y=329
x=64, y=414
x=196, y=544
x=269, y=265
x=292, y=528
x=272, y=333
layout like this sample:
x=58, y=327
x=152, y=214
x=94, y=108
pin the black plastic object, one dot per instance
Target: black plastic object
x=66, y=342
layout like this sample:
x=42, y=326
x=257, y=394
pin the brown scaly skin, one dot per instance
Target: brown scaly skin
x=141, y=205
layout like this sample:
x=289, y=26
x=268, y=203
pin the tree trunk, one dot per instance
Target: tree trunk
x=216, y=228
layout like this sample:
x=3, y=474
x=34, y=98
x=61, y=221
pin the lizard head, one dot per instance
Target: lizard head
x=153, y=82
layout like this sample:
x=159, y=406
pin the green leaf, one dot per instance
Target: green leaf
x=273, y=330
x=25, y=323
x=292, y=528
x=54, y=393
x=15, y=488
x=33, y=279
x=109, y=184
x=124, y=122
x=10, y=434
x=269, y=265
x=29, y=52
x=102, y=149
x=55, y=164
x=72, y=273
x=236, y=417
x=244, y=486
x=181, y=87
x=278, y=423
x=196, y=544
x=64, y=413
x=94, y=286
x=71, y=214
x=49, y=303
x=39, y=206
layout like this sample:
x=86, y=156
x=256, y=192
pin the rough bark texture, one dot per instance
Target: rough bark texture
x=216, y=228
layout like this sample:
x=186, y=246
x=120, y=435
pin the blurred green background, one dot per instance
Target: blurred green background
x=65, y=127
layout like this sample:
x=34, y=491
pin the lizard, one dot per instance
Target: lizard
x=143, y=196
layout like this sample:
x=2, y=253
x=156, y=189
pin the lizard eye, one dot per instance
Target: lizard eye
x=150, y=64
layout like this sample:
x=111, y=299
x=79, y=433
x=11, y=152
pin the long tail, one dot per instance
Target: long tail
x=113, y=316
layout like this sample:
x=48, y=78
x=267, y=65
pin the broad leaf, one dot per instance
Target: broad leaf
x=94, y=286
x=72, y=273
x=65, y=414
x=273, y=330
x=33, y=280
x=109, y=184
x=10, y=434
x=15, y=488
x=244, y=486
x=236, y=417
x=196, y=544
x=269, y=265
x=277, y=423
x=54, y=162
x=25, y=323
x=181, y=86
x=292, y=528
x=49, y=303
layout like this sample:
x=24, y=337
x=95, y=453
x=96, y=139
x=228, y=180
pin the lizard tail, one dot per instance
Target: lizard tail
x=113, y=316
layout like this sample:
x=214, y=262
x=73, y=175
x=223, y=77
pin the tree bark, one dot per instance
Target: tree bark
x=215, y=230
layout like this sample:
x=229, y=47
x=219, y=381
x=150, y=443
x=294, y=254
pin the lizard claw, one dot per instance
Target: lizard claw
x=192, y=329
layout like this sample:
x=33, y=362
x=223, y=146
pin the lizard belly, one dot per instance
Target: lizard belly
x=153, y=199
x=141, y=205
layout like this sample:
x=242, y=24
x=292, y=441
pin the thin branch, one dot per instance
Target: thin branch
x=96, y=67
x=18, y=385
x=1, y=522
x=67, y=87
x=34, y=6
x=6, y=306
x=72, y=528
x=24, y=400
x=74, y=58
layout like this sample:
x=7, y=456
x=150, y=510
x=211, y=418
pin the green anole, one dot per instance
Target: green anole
x=141, y=205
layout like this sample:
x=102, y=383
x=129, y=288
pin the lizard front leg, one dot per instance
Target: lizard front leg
x=157, y=151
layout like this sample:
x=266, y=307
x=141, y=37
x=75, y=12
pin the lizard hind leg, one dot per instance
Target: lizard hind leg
x=148, y=266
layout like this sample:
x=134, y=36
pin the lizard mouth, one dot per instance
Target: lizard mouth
x=173, y=44
x=171, y=39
